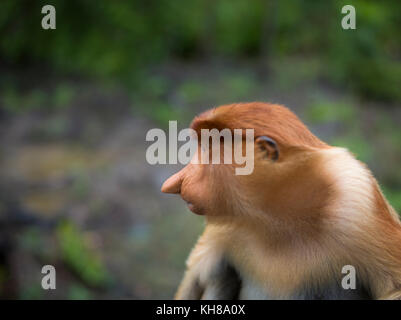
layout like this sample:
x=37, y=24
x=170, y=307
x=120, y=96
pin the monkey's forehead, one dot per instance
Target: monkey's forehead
x=273, y=120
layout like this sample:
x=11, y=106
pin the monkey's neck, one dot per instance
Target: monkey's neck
x=274, y=233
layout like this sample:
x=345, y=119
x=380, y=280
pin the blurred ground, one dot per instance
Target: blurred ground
x=77, y=193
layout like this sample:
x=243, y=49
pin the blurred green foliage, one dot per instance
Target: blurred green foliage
x=32, y=292
x=84, y=261
x=123, y=38
x=394, y=197
x=324, y=111
x=77, y=292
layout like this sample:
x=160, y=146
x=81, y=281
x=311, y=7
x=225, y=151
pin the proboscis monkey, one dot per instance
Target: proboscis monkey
x=286, y=230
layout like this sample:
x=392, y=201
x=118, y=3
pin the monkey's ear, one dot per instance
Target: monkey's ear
x=268, y=146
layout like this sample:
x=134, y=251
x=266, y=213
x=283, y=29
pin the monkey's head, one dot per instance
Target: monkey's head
x=286, y=178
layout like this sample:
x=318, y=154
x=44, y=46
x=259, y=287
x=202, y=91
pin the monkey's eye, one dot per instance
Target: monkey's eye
x=268, y=146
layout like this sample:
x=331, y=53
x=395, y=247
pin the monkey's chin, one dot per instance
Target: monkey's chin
x=194, y=209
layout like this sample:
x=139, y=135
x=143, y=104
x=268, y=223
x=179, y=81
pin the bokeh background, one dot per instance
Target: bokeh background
x=75, y=104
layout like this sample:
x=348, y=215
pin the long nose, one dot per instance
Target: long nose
x=173, y=184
